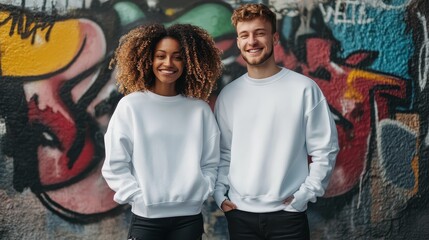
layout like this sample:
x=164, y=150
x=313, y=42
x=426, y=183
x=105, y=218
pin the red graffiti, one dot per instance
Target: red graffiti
x=53, y=161
x=356, y=97
x=68, y=161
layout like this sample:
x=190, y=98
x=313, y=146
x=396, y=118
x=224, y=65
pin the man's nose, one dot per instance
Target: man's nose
x=252, y=40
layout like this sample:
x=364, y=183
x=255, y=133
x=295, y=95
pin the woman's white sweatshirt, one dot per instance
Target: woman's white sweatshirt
x=162, y=154
x=269, y=127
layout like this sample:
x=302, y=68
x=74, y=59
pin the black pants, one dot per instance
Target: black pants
x=170, y=228
x=267, y=226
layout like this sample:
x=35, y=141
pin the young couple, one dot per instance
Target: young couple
x=166, y=152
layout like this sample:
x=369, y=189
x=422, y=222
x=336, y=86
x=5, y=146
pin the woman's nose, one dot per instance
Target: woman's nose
x=168, y=61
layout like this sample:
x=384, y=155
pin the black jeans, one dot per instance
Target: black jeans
x=170, y=228
x=267, y=226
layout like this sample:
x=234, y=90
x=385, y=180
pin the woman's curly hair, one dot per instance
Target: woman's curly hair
x=133, y=59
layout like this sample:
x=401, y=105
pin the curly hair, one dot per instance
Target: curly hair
x=133, y=59
x=250, y=11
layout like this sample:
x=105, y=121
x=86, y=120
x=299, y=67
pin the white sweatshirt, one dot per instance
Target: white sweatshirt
x=268, y=128
x=162, y=154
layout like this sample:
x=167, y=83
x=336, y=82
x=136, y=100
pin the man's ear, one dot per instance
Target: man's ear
x=238, y=43
x=276, y=38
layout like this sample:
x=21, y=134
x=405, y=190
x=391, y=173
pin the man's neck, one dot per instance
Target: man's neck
x=262, y=71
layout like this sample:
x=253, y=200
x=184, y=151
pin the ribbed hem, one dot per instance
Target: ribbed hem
x=261, y=204
x=170, y=209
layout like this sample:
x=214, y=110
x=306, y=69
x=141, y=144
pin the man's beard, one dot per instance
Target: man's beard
x=261, y=61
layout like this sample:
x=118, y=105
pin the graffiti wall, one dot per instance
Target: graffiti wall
x=369, y=57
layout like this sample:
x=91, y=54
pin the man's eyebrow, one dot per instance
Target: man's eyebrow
x=258, y=29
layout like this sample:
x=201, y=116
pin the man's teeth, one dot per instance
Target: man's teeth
x=253, y=50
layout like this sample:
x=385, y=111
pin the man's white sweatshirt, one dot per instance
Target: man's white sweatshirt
x=269, y=127
x=162, y=154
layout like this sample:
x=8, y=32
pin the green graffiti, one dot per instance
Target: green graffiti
x=214, y=18
x=128, y=12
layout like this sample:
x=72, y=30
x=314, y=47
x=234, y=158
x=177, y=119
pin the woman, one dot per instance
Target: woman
x=162, y=142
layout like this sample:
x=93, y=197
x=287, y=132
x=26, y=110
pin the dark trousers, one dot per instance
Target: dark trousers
x=267, y=226
x=177, y=228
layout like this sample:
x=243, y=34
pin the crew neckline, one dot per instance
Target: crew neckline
x=163, y=98
x=268, y=80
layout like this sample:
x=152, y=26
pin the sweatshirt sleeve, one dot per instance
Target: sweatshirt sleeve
x=116, y=169
x=222, y=183
x=210, y=161
x=322, y=146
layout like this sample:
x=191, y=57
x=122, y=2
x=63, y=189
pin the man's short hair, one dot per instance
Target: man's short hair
x=250, y=11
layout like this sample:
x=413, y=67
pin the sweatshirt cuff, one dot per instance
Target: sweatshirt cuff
x=219, y=197
x=137, y=196
x=121, y=199
x=301, y=198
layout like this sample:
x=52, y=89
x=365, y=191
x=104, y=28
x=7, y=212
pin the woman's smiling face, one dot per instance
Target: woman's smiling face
x=168, y=63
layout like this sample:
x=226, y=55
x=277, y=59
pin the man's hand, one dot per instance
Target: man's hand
x=228, y=206
x=288, y=200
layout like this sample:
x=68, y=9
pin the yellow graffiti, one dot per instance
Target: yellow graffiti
x=21, y=57
x=415, y=167
x=353, y=93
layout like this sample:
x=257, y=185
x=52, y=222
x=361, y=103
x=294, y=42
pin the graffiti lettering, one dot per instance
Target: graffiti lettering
x=27, y=26
x=423, y=54
x=2, y=127
x=423, y=64
x=57, y=6
x=346, y=12
x=381, y=4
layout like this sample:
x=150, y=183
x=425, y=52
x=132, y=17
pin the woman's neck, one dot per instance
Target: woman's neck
x=164, y=90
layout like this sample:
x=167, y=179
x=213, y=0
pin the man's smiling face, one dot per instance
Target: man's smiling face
x=256, y=41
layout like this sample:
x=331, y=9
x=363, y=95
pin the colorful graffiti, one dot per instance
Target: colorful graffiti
x=57, y=93
x=58, y=81
x=418, y=25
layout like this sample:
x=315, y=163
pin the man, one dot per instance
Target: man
x=271, y=119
